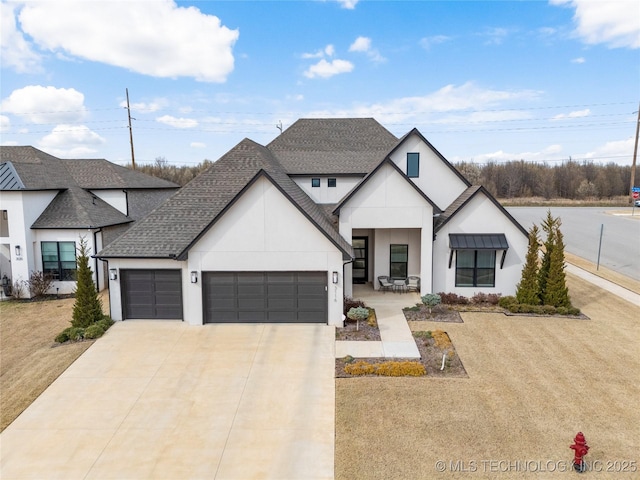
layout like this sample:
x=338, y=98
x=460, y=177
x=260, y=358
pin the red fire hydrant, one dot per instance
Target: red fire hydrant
x=580, y=448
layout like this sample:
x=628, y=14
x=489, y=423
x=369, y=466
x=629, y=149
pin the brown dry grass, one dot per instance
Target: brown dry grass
x=533, y=384
x=30, y=360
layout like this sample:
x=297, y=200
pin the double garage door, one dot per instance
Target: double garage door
x=229, y=297
x=265, y=297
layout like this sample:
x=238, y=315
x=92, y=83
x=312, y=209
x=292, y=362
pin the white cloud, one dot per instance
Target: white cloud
x=495, y=36
x=143, y=107
x=329, y=50
x=577, y=114
x=548, y=154
x=5, y=123
x=348, y=4
x=617, y=151
x=15, y=51
x=39, y=104
x=363, y=44
x=578, y=60
x=198, y=145
x=156, y=38
x=71, y=141
x=177, y=122
x=615, y=23
x=326, y=69
x=428, y=42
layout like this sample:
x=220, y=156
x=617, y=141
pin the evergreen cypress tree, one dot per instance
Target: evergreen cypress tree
x=549, y=226
x=527, y=289
x=87, y=308
x=557, y=293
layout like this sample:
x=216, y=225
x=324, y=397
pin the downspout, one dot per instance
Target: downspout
x=95, y=259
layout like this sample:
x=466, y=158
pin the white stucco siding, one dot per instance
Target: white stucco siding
x=480, y=216
x=116, y=198
x=436, y=179
x=263, y=231
x=115, y=293
x=23, y=208
x=324, y=193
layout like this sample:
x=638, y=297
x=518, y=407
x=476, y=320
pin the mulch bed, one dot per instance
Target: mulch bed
x=439, y=313
x=430, y=357
x=364, y=332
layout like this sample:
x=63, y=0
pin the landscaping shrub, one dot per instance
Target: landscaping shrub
x=93, y=331
x=87, y=308
x=18, y=289
x=388, y=369
x=453, y=299
x=431, y=300
x=63, y=336
x=358, y=313
x=441, y=339
x=424, y=335
x=506, y=302
x=75, y=334
x=371, y=319
x=350, y=303
x=39, y=283
x=105, y=323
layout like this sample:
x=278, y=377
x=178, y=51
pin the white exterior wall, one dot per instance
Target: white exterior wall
x=435, y=178
x=324, y=194
x=67, y=236
x=480, y=215
x=116, y=198
x=23, y=208
x=396, y=211
x=115, y=292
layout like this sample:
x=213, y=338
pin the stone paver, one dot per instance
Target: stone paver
x=155, y=399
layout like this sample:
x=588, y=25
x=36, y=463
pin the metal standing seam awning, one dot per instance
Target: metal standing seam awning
x=478, y=241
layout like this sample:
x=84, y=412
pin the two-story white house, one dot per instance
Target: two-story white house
x=280, y=233
x=47, y=205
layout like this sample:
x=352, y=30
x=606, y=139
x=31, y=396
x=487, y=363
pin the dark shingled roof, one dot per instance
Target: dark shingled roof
x=186, y=216
x=38, y=170
x=77, y=208
x=459, y=203
x=332, y=146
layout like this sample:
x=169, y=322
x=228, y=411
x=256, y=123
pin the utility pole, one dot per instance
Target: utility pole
x=133, y=158
x=635, y=155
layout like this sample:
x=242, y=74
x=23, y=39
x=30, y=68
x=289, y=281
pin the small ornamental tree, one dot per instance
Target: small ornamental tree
x=431, y=300
x=357, y=314
x=527, y=289
x=87, y=308
x=557, y=293
x=549, y=225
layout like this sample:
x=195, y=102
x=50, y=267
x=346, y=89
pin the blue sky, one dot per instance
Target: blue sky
x=497, y=80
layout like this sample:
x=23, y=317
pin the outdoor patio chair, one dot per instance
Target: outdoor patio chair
x=385, y=283
x=413, y=283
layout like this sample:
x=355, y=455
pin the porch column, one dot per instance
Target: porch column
x=426, y=253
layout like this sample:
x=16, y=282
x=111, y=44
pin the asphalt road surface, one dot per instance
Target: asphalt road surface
x=581, y=229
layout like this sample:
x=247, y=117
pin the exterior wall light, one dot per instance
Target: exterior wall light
x=18, y=251
x=334, y=277
x=194, y=277
x=113, y=274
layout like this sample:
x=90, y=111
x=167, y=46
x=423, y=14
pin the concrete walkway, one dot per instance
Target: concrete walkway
x=161, y=399
x=396, y=338
x=600, y=282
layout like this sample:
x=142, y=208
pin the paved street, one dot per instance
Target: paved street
x=581, y=229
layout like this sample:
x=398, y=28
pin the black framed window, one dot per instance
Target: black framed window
x=399, y=256
x=315, y=182
x=413, y=165
x=475, y=268
x=331, y=182
x=59, y=260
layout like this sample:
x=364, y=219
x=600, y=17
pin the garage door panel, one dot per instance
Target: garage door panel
x=151, y=294
x=265, y=297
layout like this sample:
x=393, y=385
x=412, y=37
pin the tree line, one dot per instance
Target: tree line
x=513, y=179
x=571, y=179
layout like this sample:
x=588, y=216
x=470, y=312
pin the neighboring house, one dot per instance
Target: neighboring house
x=48, y=204
x=280, y=233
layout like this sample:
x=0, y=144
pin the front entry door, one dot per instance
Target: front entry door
x=360, y=267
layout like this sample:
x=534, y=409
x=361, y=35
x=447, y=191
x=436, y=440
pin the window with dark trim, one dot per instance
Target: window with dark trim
x=315, y=182
x=59, y=260
x=475, y=268
x=399, y=255
x=331, y=182
x=413, y=165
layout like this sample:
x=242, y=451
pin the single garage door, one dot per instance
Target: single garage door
x=152, y=294
x=265, y=297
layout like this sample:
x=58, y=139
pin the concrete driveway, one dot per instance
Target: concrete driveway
x=158, y=399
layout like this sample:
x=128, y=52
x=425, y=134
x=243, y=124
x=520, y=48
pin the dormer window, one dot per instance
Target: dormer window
x=315, y=182
x=331, y=182
x=413, y=165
